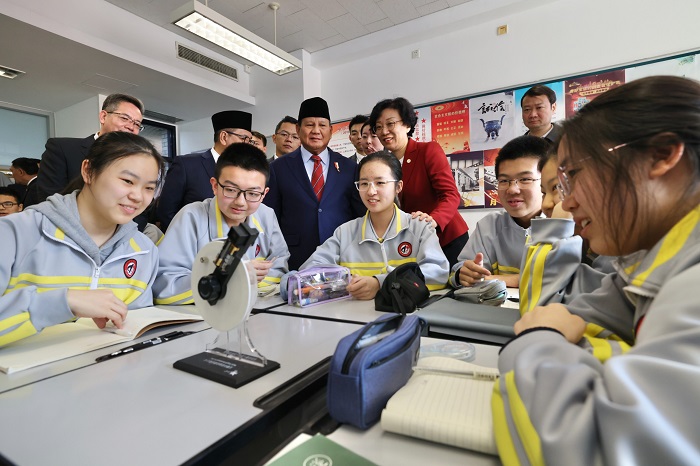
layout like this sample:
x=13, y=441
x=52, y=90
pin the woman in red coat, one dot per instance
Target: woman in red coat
x=429, y=190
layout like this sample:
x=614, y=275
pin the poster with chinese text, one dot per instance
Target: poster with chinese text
x=491, y=121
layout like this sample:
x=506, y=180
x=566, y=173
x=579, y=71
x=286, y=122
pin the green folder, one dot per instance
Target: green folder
x=320, y=451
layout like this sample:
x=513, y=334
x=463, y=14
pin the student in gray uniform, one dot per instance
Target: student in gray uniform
x=629, y=166
x=385, y=237
x=495, y=248
x=239, y=185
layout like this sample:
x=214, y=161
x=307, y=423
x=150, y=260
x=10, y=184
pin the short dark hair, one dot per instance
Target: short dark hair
x=245, y=156
x=523, y=146
x=401, y=105
x=286, y=119
x=539, y=90
x=10, y=191
x=112, y=102
x=113, y=146
x=260, y=136
x=30, y=166
x=357, y=119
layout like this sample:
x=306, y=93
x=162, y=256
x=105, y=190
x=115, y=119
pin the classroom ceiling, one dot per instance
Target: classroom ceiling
x=311, y=25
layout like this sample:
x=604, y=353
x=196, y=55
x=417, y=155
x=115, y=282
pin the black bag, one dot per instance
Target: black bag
x=403, y=290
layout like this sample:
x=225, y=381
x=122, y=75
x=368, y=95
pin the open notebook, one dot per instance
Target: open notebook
x=446, y=401
x=74, y=338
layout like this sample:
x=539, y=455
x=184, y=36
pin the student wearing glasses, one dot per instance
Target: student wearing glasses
x=385, y=237
x=80, y=254
x=286, y=139
x=62, y=160
x=9, y=201
x=629, y=166
x=239, y=185
x=430, y=192
x=495, y=248
x=189, y=175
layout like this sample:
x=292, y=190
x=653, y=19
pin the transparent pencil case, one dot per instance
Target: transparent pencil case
x=318, y=285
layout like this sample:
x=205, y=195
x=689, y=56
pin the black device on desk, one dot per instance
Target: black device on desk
x=144, y=344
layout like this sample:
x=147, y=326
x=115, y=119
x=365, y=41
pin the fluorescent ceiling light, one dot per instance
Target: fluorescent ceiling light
x=9, y=73
x=199, y=19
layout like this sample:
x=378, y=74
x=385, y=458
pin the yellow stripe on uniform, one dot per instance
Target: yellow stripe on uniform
x=136, y=247
x=176, y=298
x=219, y=221
x=123, y=281
x=525, y=280
x=59, y=234
x=31, y=279
x=505, y=270
x=538, y=273
x=672, y=243
x=24, y=329
x=526, y=431
x=364, y=226
x=257, y=224
x=504, y=442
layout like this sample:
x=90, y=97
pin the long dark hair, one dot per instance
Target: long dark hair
x=111, y=147
x=646, y=114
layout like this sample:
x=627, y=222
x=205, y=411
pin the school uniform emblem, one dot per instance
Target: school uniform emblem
x=257, y=250
x=405, y=249
x=130, y=268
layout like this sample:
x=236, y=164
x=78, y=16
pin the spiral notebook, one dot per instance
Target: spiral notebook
x=445, y=401
x=74, y=338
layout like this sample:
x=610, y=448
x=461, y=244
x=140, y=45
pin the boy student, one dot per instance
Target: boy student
x=9, y=201
x=495, y=248
x=239, y=186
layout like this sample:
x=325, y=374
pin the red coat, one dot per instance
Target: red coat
x=428, y=186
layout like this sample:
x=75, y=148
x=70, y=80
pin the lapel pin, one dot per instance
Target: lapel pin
x=408, y=161
x=337, y=168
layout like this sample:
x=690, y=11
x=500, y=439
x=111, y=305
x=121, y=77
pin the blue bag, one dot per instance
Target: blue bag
x=370, y=365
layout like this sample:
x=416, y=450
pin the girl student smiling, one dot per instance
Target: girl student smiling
x=385, y=237
x=80, y=254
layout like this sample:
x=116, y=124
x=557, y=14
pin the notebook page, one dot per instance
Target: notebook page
x=449, y=409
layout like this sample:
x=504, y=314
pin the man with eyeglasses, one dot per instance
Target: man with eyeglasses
x=286, y=139
x=63, y=157
x=239, y=185
x=188, y=177
x=495, y=248
x=312, y=189
x=9, y=201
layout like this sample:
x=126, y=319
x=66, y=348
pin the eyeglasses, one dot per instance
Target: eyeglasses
x=377, y=185
x=242, y=137
x=8, y=204
x=522, y=182
x=389, y=126
x=127, y=120
x=285, y=135
x=232, y=193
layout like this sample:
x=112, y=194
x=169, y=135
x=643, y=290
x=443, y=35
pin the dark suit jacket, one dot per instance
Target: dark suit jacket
x=60, y=164
x=187, y=181
x=306, y=222
x=428, y=186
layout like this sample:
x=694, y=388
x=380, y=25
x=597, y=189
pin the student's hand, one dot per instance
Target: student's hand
x=473, y=271
x=363, y=287
x=425, y=217
x=512, y=280
x=261, y=269
x=99, y=305
x=559, y=212
x=555, y=316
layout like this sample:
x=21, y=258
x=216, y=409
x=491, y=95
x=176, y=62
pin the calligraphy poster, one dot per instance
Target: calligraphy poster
x=491, y=120
x=580, y=91
x=422, y=132
x=468, y=172
x=491, y=199
x=450, y=125
x=340, y=139
x=559, y=114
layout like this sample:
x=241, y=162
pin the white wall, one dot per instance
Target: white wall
x=79, y=120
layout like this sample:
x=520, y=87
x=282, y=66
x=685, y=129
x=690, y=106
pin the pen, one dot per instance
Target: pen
x=144, y=344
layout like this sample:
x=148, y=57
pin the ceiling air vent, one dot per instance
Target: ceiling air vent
x=198, y=59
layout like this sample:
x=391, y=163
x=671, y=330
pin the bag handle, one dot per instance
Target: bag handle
x=395, y=287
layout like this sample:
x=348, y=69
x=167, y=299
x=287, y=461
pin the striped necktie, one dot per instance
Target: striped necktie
x=317, y=177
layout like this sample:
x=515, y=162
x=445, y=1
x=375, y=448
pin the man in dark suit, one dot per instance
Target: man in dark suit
x=189, y=176
x=355, y=128
x=24, y=171
x=308, y=215
x=63, y=157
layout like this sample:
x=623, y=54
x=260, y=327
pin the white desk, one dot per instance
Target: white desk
x=346, y=310
x=387, y=449
x=137, y=409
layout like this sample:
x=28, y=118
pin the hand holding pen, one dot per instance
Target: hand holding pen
x=262, y=267
x=143, y=345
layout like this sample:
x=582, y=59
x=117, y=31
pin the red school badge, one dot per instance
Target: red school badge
x=130, y=268
x=405, y=249
x=257, y=250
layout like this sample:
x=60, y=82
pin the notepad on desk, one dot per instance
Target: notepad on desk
x=73, y=338
x=445, y=401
